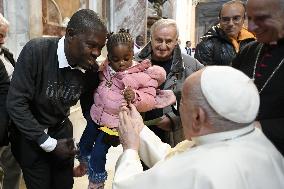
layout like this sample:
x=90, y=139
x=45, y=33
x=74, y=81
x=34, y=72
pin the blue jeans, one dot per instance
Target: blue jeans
x=93, y=152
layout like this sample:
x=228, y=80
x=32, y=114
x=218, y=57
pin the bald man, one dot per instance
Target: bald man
x=223, y=41
x=228, y=151
x=263, y=62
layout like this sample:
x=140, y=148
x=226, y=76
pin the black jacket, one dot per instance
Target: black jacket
x=216, y=48
x=271, y=110
x=4, y=86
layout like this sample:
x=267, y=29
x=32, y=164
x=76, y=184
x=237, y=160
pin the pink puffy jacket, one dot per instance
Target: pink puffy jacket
x=142, y=78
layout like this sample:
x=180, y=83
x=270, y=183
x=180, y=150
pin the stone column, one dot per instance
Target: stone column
x=17, y=13
x=36, y=26
x=183, y=19
x=129, y=15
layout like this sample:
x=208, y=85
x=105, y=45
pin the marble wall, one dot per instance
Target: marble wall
x=129, y=15
x=183, y=16
x=169, y=8
x=17, y=13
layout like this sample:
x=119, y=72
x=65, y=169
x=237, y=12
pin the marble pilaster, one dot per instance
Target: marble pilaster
x=183, y=17
x=129, y=15
x=36, y=27
x=17, y=13
x=169, y=9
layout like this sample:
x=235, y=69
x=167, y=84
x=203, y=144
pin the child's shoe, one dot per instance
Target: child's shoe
x=93, y=185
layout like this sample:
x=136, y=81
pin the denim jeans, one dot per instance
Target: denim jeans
x=93, y=152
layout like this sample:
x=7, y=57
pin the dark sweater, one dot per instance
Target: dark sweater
x=41, y=93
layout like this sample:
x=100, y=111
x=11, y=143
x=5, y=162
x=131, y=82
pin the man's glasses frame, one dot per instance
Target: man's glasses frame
x=235, y=19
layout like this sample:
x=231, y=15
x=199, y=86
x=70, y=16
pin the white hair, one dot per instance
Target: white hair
x=3, y=21
x=164, y=23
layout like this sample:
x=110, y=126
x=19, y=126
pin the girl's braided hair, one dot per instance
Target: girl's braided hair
x=122, y=37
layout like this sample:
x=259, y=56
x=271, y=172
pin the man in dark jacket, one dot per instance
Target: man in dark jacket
x=50, y=76
x=11, y=169
x=223, y=41
x=163, y=50
x=263, y=61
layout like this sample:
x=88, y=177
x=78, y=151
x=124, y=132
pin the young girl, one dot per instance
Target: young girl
x=122, y=80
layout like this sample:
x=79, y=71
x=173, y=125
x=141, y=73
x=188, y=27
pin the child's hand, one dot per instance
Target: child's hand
x=128, y=94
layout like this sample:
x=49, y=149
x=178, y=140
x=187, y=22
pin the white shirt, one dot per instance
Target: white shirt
x=137, y=49
x=241, y=159
x=8, y=66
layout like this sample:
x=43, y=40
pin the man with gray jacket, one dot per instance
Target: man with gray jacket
x=163, y=50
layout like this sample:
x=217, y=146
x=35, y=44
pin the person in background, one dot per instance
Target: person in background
x=50, y=76
x=263, y=62
x=122, y=80
x=187, y=49
x=139, y=43
x=223, y=41
x=223, y=148
x=163, y=50
x=10, y=167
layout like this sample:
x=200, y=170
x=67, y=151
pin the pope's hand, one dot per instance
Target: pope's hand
x=130, y=125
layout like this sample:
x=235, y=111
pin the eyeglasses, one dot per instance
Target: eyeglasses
x=235, y=19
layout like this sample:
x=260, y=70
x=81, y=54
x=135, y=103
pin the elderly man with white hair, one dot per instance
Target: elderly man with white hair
x=223, y=148
x=163, y=50
x=11, y=169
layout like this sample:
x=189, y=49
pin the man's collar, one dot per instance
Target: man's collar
x=63, y=62
x=245, y=34
x=223, y=136
x=138, y=47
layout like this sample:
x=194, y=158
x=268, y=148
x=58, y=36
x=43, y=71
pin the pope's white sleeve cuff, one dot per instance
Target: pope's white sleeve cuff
x=49, y=145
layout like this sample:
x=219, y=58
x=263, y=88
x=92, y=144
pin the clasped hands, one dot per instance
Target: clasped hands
x=130, y=126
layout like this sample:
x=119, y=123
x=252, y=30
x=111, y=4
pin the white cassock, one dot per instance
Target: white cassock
x=240, y=159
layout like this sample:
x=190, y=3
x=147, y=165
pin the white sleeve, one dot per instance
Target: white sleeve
x=49, y=145
x=128, y=164
x=129, y=173
x=172, y=173
x=152, y=149
x=165, y=174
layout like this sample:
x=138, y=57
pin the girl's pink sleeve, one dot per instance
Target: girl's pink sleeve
x=145, y=99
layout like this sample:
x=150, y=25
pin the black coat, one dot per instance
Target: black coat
x=4, y=86
x=216, y=48
x=271, y=110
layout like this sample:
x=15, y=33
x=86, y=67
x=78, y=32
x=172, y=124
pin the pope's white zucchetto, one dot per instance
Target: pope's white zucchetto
x=230, y=93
